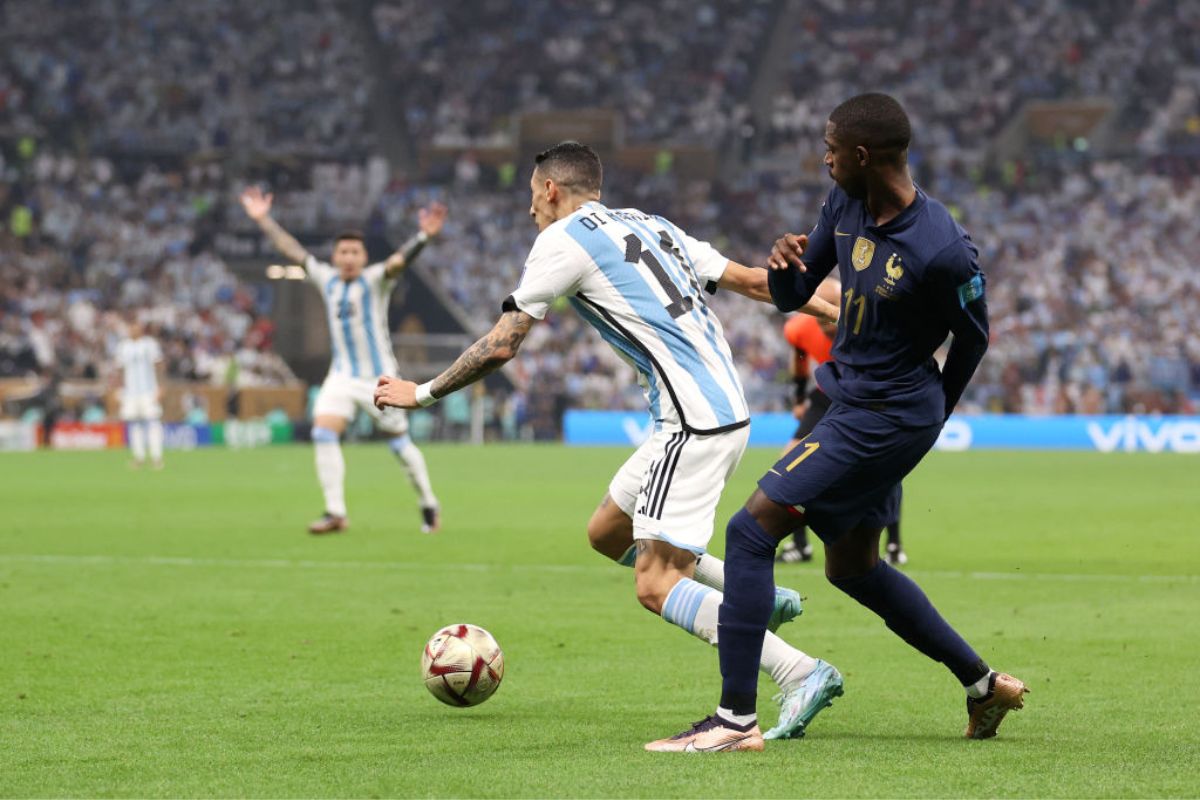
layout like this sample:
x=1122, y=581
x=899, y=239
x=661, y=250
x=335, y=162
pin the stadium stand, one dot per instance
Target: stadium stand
x=1092, y=284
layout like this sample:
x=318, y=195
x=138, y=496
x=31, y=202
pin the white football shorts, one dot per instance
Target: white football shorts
x=671, y=485
x=143, y=405
x=340, y=395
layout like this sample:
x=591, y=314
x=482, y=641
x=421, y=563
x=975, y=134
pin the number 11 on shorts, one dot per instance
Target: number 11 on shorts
x=809, y=449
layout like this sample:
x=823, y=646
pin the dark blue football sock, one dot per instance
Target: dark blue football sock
x=745, y=610
x=907, y=611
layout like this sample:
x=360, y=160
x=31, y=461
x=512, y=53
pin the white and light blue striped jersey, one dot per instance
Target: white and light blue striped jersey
x=640, y=281
x=137, y=359
x=357, y=314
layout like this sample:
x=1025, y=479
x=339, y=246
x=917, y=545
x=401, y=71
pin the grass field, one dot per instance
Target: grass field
x=177, y=634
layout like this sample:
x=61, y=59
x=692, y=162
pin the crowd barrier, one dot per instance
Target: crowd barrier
x=1105, y=433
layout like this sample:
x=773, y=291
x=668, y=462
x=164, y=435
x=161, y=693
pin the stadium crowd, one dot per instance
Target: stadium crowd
x=144, y=76
x=1091, y=288
x=86, y=246
x=678, y=71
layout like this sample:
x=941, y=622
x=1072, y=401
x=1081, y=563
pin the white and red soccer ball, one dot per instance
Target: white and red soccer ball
x=462, y=665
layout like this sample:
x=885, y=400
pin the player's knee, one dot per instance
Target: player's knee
x=609, y=536
x=400, y=443
x=597, y=533
x=745, y=535
x=323, y=435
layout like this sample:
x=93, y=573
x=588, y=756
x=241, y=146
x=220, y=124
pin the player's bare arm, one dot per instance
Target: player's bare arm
x=258, y=208
x=752, y=282
x=429, y=222
x=487, y=355
x=748, y=281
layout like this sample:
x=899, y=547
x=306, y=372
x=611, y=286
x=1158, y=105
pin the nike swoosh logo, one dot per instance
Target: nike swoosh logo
x=839, y=233
x=775, y=473
x=716, y=748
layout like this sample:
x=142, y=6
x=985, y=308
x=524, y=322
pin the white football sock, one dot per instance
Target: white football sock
x=155, y=435
x=710, y=571
x=693, y=607
x=741, y=720
x=786, y=665
x=331, y=470
x=413, y=462
x=137, y=439
x=979, y=688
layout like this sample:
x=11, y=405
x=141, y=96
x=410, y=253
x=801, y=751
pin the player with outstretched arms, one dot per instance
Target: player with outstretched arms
x=140, y=361
x=910, y=278
x=356, y=302
x=640, y=281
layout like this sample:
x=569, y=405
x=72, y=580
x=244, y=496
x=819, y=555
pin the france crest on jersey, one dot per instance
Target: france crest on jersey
x=640, y=281
x=357, y=314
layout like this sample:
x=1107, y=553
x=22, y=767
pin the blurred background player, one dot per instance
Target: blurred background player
x=640, y=282
x=356, y=301
x=141, y=365
x=812, y=345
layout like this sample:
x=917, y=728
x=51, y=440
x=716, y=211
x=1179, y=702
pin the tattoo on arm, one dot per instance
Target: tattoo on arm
x=487, y=355
x=284, y=242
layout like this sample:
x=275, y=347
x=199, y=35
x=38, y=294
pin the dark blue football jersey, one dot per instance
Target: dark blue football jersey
x=906, y=285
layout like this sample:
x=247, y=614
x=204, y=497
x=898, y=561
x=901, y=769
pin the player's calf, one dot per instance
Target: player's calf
x=659, y=568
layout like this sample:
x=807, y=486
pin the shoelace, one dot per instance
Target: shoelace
x=697, y=727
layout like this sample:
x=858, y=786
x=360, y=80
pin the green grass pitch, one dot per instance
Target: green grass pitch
x=178, y=634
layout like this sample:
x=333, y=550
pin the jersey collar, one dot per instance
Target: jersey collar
x=902, y=220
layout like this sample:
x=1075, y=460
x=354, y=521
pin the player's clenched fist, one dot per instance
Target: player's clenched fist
x=787, y=251
x=395, y=392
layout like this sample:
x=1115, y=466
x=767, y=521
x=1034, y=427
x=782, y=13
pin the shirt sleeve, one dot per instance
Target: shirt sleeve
x=555, y=268
x=318, y=272
x=708, y=262
x=958, y=285
x=791, y=288
x=156, y=354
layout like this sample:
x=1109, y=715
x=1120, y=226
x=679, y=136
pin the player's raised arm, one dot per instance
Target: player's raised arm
x=430, y=221
x=258, y=208
x=487, y=355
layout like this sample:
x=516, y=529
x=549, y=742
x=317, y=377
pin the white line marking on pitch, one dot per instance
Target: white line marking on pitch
x=283, y=563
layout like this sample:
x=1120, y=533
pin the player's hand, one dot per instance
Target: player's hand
x=395, y=392
x=257, y=204
x=432, y=218
x=799, y=409
x=787, y=251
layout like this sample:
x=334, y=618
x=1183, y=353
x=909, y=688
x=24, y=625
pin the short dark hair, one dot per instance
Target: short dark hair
x=352, y=236
x=573, y=166
x=874, y=120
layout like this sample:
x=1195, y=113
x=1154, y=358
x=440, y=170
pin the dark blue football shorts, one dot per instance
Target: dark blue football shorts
x=846, y=473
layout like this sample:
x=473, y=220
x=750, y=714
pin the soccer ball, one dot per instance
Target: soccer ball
x=462, y=665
